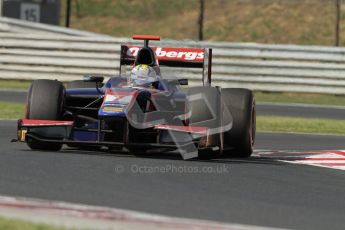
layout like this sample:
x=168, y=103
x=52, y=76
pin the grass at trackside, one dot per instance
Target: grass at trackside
x=303, y=98
x=10, y=224
x=265, y=21
x=14, y=84
x=10, y=110
x=300, y=125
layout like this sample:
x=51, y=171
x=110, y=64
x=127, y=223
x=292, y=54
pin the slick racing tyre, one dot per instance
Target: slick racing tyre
x=45, y=102
x=241, y=137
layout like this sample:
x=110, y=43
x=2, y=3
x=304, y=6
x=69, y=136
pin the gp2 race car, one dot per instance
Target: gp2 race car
x=164, y=114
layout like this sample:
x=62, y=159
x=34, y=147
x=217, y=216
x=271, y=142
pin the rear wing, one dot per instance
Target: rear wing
x=174, y=57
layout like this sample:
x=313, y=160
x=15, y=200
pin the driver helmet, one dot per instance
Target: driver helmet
x=142, y=74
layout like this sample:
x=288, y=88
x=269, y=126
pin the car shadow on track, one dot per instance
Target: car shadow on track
x=175, y=156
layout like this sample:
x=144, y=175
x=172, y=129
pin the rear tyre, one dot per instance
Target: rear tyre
x=241, y=137
x=45, y=102
x=206, y=112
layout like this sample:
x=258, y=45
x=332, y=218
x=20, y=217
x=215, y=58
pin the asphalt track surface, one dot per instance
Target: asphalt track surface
x=300, y=110
x=13, y=96
x=256, y=191
x=326, y=112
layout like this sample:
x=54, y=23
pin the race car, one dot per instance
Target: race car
x=162, y=114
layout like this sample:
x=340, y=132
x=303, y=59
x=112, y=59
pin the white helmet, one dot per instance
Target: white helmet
x=142, y=74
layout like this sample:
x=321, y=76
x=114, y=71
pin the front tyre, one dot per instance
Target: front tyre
x=45, y=102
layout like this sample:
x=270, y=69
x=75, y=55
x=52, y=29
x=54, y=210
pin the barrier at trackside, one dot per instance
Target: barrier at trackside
x=60, y=53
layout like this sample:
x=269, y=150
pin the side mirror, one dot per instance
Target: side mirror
x=183, y=81
x=91, y=78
